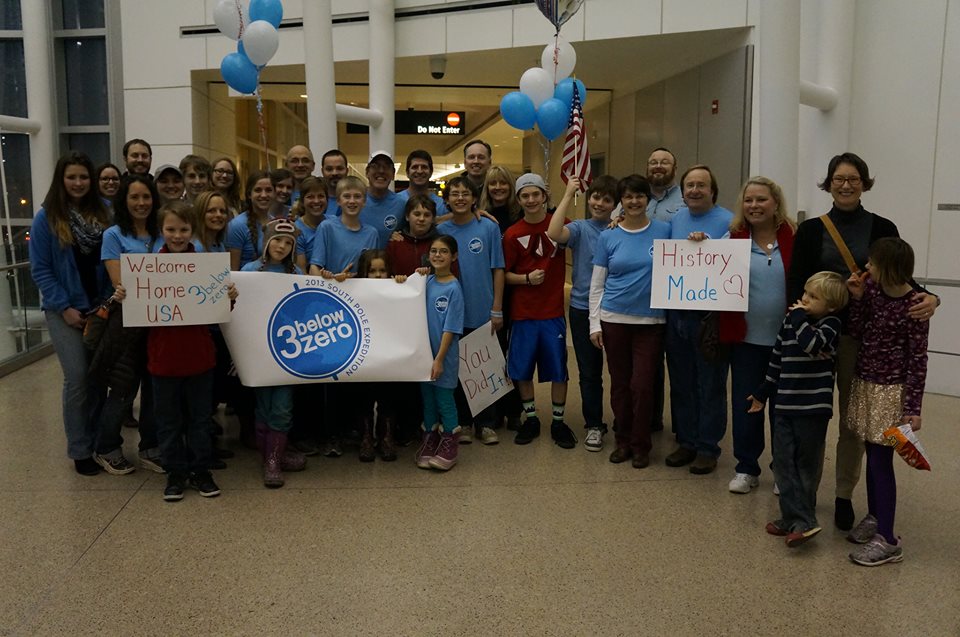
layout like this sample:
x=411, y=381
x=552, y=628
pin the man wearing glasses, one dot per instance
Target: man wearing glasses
x=299, y=161
x=662, y=174
x=384, y=208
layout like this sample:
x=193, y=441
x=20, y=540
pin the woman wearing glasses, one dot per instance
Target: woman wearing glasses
x=226, y=181
x=848, y=177
x=108, y=183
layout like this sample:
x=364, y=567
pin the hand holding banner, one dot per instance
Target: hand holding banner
x=185, y=288
x=701, y=275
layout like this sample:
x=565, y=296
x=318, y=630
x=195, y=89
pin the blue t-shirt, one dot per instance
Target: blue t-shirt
x=333, y=208
x=116, y=243
x=383, y=215
x=583, y=240
x=437, y=199
x=238, y=238
x=335, y=246
x=480, y=251
x=715, y=223
x=628, y=258
x=259, y=266
x=768, y=294
x=445, y=314
x=216, y=247
x=305, y=238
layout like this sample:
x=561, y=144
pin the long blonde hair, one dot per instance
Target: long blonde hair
x=499, y=173
x=780, y=216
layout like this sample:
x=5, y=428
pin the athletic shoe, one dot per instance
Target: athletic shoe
x=776, y=528
x=333, y=449
x=796, y=538
x=203, y=482
x=307, y=447
x=175, y=485
x=86, y=467
x=115, y=465
x=743, y=483
x=488, y=436
x=562, y=435
x=150, y=459
x=877, y=551
x=466, y=435
x=529, y=430
x=863, y=532
x=446, y=454
x=594, y=439
x=428, y=446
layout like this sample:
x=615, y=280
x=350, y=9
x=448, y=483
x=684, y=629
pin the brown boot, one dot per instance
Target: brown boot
x=388, y=449
x=367, y=452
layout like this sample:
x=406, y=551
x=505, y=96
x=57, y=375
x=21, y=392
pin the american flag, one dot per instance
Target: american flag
x=576, y=157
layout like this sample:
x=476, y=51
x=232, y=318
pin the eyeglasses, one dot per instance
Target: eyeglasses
x=109, y=179
x=838, y=180
x=222, y=171
x=439, y=251
x=460, y=195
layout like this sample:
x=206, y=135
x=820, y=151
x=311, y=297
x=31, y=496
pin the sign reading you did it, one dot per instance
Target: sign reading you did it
x=701, y=275
x=185, y=288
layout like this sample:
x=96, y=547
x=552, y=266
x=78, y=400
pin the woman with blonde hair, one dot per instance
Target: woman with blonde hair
x=499, y=198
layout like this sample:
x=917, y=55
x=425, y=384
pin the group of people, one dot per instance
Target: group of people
x=494, y=257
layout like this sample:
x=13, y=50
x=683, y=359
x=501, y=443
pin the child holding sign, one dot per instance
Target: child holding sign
x=445, y=324
x=887, y=388
x=274, y=411
x=181, y=360
x=801, y=372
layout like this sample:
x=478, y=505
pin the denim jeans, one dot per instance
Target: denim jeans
x=81, y=399
x=748, y=367
x=632, y=354
x=116, y=406
x=183, y=415
x=698, y=388
x=798, y=443
x=590, y=365
x=275, y=407
x=439, y=407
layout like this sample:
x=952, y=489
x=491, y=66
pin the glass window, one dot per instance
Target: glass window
x=82, y=14
x=86, y=72
x=95, y=145
x=10, y=19
x=13, y=79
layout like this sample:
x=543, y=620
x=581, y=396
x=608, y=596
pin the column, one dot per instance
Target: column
x=321, y=86
x=382, y=56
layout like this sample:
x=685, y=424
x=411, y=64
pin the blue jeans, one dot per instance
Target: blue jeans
x=275, y=407
x=183, y=405
x=590, y=364
x=439, y=407
x=115, y=408
x=81, y=398
x=698, y=388
x=798, y=443
x=748, y=367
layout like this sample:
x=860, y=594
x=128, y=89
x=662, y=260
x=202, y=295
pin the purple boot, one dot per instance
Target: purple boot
x=274, y=446
x=292, y=460
x=446, y=454
x=428, y=447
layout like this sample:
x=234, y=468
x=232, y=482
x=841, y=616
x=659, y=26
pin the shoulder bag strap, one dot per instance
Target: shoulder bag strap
x=841, y=245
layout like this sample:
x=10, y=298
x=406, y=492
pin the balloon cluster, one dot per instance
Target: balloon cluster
x=545, y=98
x=254, y=26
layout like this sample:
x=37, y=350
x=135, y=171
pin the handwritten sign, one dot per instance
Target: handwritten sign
x=175, y=289
x=701, y=275
x=483, y=370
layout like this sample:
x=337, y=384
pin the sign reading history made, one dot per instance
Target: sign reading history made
x=288, y=329
x=701, y=275
x=186, y=288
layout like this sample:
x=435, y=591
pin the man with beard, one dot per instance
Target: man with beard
x=138, y=156
x=477, y=157
x=333, y=167
x=661, y=174
x=299, y=161
x=419, y=171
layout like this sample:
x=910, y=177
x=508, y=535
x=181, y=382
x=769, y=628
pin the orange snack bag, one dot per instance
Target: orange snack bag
x=908, y=446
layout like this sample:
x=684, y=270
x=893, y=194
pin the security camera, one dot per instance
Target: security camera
x=438, y=66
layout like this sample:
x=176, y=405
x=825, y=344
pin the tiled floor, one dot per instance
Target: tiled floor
x=514, y=541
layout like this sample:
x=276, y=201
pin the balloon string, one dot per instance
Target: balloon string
x=261, y=124
x=239, y=17
x=546, y=154
x=556, y=55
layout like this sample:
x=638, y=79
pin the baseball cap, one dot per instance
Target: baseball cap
x=531, y=179
x=380, y=153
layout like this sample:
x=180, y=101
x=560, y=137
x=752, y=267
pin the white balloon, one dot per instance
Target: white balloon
x=536, y=84
x=228, y=19
x=260, y=41
x=559, y=59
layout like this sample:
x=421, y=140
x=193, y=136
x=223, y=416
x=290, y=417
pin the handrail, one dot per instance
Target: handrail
x=14, y=266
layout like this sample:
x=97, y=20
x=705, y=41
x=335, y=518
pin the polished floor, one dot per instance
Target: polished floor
x=514, y=540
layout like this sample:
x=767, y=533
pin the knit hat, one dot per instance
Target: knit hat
x=531, y=179
x=279, y=227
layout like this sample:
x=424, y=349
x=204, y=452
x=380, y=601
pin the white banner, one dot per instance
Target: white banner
x=183, y=288
x=701, y=275
x=289, y=329
x=483, y=370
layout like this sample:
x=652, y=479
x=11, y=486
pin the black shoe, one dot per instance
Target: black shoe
x=216, y=464
x=513, y=423
x=682, y=456
x=203, y=482
x=562, y=435
x=843, y=515
x=656, y=426
x=87, y=467
x=529, y=430
x=175, y=485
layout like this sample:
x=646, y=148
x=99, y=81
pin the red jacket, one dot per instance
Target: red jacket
x=733, y=325
x=180, y=350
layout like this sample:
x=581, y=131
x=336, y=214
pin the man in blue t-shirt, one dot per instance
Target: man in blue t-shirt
x=419, y=172
x=384, y=208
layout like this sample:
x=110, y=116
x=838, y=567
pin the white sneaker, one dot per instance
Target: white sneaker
x=488, y=436
x=594, y=439
x=776, y=489
x=466, y=435
x=743, y=483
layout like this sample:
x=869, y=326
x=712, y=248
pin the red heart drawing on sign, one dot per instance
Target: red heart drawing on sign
x=734, y=286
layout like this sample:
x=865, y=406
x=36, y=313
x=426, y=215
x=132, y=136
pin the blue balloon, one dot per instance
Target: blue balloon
x=518, y=110
x=552, y=118
x=564, y=92
x=239, y=73
x=269, y=10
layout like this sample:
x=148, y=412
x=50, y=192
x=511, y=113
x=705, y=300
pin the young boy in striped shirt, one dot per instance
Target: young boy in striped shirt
x=801, y=376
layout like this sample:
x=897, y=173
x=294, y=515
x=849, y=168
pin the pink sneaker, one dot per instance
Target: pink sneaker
x=446, y=454
x=427, y=448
